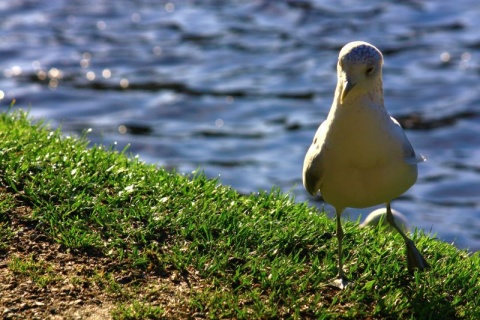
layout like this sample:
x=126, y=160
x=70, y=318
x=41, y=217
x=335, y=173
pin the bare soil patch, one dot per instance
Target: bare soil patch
x=57, y=283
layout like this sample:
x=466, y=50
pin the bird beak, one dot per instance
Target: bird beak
x=347, y=87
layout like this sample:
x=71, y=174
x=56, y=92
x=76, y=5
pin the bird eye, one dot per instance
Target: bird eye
x=369, y=70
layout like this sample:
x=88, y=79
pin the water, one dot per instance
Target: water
x=238, y=88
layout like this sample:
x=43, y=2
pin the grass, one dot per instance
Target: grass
x=157, y=244
x=38, y=271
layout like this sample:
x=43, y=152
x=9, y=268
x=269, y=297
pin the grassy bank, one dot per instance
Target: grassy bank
x=90, y=232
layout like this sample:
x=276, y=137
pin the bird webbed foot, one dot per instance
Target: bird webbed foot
x=340, y=282
x=415, y=260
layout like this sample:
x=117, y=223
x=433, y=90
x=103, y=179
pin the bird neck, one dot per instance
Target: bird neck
x=375, y=95
x=364, y=95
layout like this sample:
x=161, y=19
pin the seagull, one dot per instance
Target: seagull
x=360, y=156
x=379, y=217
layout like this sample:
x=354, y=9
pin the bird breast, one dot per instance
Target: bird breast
x=364, y=158
x=362, y=135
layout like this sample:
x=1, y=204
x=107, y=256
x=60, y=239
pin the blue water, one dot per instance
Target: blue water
x=238, y=88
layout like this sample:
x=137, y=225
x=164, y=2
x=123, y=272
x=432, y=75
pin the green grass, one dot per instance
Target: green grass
x=227, y=255
x=38, y=271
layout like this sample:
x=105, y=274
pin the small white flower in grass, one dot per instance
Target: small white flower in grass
x=164, y=199
x=127, y=189
x=156, y=216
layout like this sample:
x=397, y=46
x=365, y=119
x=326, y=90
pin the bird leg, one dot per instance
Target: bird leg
x=415, y=260
x=341, y=281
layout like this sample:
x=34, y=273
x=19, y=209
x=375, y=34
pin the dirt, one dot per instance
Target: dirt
x=62, y=284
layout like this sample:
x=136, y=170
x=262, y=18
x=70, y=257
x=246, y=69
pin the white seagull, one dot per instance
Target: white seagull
x=379, y=216
x=360, y=156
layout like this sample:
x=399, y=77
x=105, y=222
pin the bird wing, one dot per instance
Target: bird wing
x=313, y=164
x=408, y=151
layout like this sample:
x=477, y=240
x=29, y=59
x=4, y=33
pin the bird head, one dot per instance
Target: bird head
x=359, y=69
